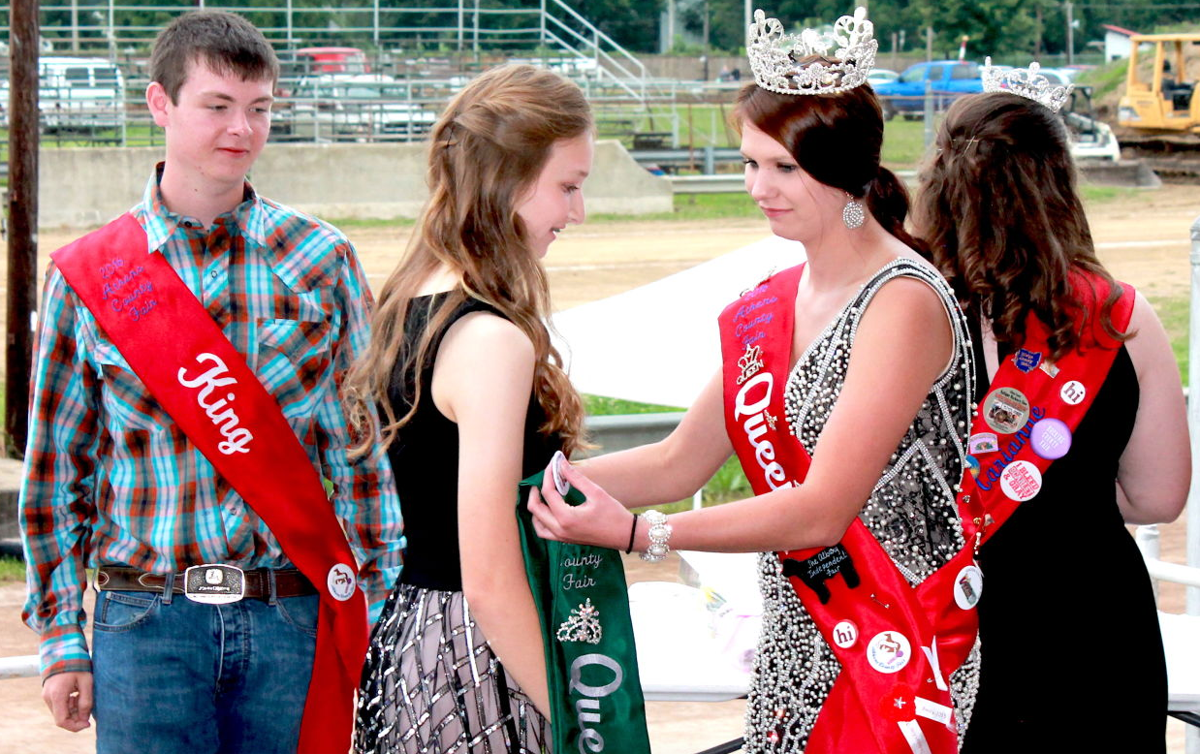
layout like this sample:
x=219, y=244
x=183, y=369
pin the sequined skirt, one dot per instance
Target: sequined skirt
x=432, y=685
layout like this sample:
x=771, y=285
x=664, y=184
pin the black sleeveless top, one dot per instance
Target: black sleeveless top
x=1067, y=621
x=424, y=456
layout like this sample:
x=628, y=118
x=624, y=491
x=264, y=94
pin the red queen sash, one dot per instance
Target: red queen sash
x=1033, y=406
x=197, y=376
x=898, y=645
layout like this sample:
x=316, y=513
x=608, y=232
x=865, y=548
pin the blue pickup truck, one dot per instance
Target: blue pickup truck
x=948, y=79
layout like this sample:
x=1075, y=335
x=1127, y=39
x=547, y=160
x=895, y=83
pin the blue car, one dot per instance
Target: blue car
x=948, y=78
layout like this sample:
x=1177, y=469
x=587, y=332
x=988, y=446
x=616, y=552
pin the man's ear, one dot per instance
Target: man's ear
x=158, y=101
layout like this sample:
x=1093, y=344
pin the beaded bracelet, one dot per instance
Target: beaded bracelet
x=660, y=532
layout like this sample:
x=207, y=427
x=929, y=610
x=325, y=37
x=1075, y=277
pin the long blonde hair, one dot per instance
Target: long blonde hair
x=486, y=153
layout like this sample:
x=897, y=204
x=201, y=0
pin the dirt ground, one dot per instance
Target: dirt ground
x=1142, y=238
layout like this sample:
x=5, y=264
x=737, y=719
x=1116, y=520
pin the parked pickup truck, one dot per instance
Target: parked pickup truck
x=948, y=79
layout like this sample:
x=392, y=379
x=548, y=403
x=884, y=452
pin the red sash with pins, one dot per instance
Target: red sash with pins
x=197, y=376
x=897, y=644
x=1032, y=407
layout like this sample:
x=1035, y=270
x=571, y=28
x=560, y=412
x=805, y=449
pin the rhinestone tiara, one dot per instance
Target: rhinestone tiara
x=774, y=55
x=1025, y=82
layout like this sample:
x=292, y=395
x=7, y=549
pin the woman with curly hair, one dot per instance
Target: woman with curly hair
x=463, y=369
x=1081, y=429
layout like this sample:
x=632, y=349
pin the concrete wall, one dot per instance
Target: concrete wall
x=87, y=187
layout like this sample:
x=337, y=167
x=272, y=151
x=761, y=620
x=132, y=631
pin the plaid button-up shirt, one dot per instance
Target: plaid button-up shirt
x=109, y=477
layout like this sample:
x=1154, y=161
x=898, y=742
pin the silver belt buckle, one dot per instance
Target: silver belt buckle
x=214, y=584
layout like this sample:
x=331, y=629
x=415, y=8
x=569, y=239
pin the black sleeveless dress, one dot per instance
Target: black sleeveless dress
x=1072, y=655
x=431, y=683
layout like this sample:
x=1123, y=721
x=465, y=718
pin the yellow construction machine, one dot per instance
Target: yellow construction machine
x=1159, y=116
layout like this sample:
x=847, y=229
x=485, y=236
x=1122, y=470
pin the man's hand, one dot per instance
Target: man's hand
x=69, y=697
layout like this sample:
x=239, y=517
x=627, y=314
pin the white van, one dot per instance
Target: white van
x=80, y=94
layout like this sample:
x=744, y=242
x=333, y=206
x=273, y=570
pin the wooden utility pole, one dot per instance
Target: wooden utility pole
x=1070, y=11
x=22, y=218
x=1041, y=32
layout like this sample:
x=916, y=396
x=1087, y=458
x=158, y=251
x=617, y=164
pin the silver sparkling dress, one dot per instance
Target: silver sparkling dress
x=911, y=512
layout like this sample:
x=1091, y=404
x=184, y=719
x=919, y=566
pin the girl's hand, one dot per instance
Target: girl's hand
x=601, y=520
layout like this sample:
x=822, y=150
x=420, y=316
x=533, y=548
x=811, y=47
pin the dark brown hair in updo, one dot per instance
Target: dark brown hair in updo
x=836, y=138
x=1000, y=213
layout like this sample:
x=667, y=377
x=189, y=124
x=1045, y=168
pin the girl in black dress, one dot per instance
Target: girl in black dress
x=1072, y=657
x=462, y=368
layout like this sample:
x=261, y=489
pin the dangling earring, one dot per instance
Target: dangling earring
x=853, y=214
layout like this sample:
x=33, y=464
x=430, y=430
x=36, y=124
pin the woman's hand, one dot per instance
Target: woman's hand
x=601, y=520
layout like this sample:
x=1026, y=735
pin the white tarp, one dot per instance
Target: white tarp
x=659, y=343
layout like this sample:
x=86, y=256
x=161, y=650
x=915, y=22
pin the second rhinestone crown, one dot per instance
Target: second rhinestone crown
x=1025, y=82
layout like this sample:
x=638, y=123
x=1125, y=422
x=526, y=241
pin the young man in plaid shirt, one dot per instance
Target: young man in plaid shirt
x=112, y=482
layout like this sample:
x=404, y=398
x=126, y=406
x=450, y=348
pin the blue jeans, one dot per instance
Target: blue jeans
x=174, y=676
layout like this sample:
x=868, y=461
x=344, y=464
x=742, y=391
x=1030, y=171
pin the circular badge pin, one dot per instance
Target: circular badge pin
x=889, y=652
x=1020, y=480
x=1050, y=438
x=1073, y=392
x=341, y=582
x=968, y=587
x=1006, y=410
x=845, y=634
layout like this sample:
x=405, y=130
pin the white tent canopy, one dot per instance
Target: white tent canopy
x=659, y=343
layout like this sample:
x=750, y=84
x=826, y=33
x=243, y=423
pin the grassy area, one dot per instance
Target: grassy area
x=11, y=570
x=1174, y=313
x=729, y=483
x=1106, y=78
x=690, y=207
x=703, y=125
x=599, y=405
x=903, y=143
x=1093, y=194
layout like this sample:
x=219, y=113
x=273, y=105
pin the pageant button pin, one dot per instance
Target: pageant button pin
x=889, y=652
x=341, y=582
x=845, y=634
x=1073, y=392
x=968, y=587
x=1027, y=360
x=1006, y=410
x=983, y=442
x=1050, y=438
x=973, y=466
x=1020, y=481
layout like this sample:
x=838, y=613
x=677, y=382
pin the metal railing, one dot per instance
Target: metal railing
x=551, y=27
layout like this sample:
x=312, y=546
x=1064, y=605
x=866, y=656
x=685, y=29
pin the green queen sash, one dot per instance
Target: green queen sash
x=591, y=662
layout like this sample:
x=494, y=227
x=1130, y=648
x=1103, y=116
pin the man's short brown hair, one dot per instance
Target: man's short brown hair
x=225, y=42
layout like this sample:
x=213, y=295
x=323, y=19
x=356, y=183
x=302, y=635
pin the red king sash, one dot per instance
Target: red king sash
x=898, y=645
x=183, y=358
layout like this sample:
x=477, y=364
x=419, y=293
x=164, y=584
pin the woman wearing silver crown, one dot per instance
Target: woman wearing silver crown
x=1100, y=439
x=845, y=392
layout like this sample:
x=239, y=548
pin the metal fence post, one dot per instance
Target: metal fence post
x=1192, y=736
x=928, y=113
x=1147, y=538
